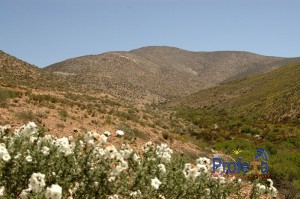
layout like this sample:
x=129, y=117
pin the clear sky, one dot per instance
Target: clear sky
x=43, y=32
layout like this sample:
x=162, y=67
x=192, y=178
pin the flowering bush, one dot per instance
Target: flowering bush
x=34, y=165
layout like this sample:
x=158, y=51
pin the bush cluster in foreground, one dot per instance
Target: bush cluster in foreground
x=34, y=165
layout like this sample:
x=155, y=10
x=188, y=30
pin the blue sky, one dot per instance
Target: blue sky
x=43, y=32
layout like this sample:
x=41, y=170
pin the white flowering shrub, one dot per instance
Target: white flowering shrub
x=34, y=165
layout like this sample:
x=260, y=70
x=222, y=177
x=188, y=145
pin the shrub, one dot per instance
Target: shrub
x=85, y=167
x=63, y=114
x=249, y=130
x=166, y=135
x=132, y=133
x=26, y=116
x=6, y=94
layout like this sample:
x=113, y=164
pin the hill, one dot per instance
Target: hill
x=159, y=73
x=15, y=71
x=259, y=111
x=62, y=107
x=273, y=96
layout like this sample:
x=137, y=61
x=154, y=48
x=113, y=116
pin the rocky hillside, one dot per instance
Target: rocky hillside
x=273, y=96
x=158, y=73
x=63, y=107
x=15, y=70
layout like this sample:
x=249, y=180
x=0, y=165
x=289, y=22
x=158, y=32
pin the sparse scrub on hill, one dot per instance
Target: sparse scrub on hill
x=132, y=133
x=63, y=114
x=126, y=116
x=74, y=97
x=108, y=120
x=168, y=136
x=60, y=125
x=6, y=94
x=248, y=130
x=42, y=114
x=110, y=102
x=281, y=140
x=26, y=116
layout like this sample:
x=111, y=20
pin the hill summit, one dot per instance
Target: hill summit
x=160, y=72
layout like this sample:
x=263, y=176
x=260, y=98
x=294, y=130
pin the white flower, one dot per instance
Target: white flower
x=272, y=189
x=161, y=197
x=102, y=138
x=111, y=179
x=270, y=181
x=71, y=137
x=119, y=133
x=202, y=168
x=33, y=139
x=74, y=189
x=28, y=158
x=54, y=192
x=24, y=194
x=111, y=152
x=89, y=138
x=99, y=137
x=98, y=152
x=123, y=165
x=136, y=194
x=164, y=152
x=147, y=147
x=113, y=197
x=155, y=183
x=37, y=182
x=2, y=191
x=207, y=192
x=203, y=161
x=261, y=188
x=48, y=137
x=193, y=173
x=136, y=158
x=64, y=146
x=3, y=129
x=45, y=150
x=81, y=143
x=222, y=180
x=27, y=130
x=126, y=153
x=6, y=157
x=17, y=156
x=162, y=168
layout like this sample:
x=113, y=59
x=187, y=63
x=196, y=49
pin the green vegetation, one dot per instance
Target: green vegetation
x=26, y=116
x=37, y=166
x=6, y=94
x=63, y=114
x=132, y=133
x=261, y=111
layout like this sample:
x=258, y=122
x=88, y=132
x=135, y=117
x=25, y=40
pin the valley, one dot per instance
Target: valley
x=193, y=101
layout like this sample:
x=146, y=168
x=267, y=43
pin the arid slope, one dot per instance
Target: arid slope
x=158, y=73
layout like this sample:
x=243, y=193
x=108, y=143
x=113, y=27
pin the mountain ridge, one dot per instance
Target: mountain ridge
x=162, y=72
